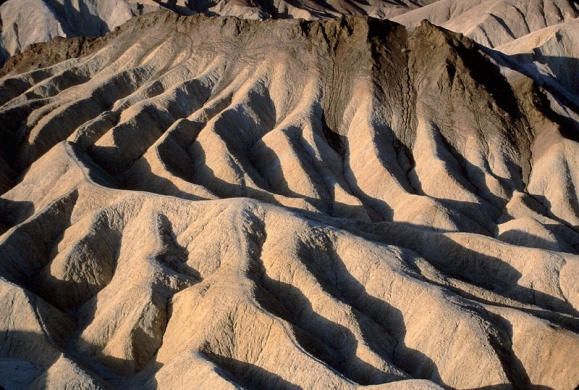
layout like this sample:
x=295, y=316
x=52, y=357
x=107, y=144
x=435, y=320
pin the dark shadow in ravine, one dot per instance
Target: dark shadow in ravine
x=249, y=376
x=346, y=288
x=381, y=324
x=95, y=172
x=140, y=368
x=28, y=248
x=324, y=339
x=563, y=86
x=525, y=239
x=268, y=164
x=563, y=69
x=204, y=176
x=573, y=203
x=565, y=233
x=21, y=360
x=97, y=254
x=417, y=239
x=471, y=216
x=378, y=210
x=126, y=150
x=78, y=22
x=331, y=273
x=173, y=149
x=18, y=373
x=475, y=177
x=13, y=212
x=78, y=298
x=330, y=142
x=502, y=343
x=174, y=255
x=141, y=178
x=479, y=269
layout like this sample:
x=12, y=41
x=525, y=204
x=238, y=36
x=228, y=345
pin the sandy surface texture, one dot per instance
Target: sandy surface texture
x=217, y=203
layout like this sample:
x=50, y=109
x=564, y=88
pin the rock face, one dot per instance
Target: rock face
x=493, y=22
x=297, y=9
x=551, y=52
x=489, y=22
x=197, y=202
x=23, y=22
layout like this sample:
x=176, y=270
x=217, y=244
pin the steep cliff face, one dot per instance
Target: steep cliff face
x=209, y=202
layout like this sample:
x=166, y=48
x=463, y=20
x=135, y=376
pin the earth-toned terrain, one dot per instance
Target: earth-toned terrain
x=212, y=202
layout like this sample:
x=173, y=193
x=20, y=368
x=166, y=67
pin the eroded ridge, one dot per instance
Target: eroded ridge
x=219, y=203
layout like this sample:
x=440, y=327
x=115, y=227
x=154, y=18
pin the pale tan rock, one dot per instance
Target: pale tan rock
x=493, y=22
x=31, y=21
x=65, y=374
x=222, y=203
x=552, y=51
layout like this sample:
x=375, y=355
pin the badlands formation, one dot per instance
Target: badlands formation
x=207, y=202
x=23, y=22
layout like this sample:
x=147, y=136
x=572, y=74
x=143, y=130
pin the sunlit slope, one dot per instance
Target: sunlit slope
x=217, y=203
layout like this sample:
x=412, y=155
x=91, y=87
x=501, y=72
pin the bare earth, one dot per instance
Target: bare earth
x=216, y=203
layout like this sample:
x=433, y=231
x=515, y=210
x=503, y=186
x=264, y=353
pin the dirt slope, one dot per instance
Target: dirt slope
x=493, y=22
x=199, y=202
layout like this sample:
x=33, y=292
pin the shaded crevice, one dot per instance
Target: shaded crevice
x=28, y=248
x=333, y=138
x=501, y=341
x=249, y=376
x=347, y=289
x=331, y=342
x=172, y=254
